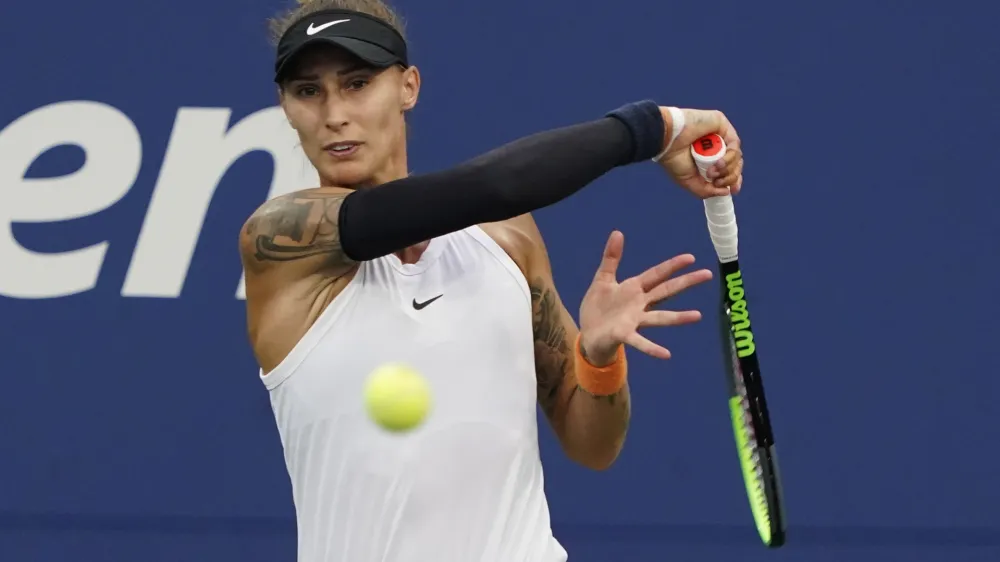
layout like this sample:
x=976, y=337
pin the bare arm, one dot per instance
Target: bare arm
x=294, y=266
x=591, y=429
x=299, y=230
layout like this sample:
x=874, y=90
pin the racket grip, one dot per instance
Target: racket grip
x=719, y=211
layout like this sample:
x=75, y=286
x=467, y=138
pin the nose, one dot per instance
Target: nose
x=336, y=114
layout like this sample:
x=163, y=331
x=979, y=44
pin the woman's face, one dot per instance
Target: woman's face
x=350, y=116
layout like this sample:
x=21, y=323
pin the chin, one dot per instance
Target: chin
x=346, y=174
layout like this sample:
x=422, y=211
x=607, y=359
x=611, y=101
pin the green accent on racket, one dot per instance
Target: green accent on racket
x=751, y=473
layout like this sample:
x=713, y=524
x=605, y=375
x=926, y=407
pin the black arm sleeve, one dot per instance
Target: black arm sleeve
x=527, y=174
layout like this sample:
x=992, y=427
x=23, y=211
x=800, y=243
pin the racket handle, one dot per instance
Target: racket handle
x=719, y=211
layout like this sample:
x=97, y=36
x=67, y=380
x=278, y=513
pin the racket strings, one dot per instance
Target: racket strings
x=756, y=485
x=751, y=435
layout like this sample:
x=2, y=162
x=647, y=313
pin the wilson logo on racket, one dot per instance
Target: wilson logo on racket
x=739, y=318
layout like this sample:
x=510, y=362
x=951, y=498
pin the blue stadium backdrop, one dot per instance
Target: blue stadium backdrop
x=135, y=138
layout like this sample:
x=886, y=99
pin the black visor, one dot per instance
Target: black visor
x=369, y=38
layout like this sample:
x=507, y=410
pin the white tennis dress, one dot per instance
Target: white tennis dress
x=467, y=485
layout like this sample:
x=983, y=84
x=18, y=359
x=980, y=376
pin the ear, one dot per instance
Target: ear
x=410, y=88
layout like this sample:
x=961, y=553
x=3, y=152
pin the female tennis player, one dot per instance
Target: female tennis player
x=448, y=273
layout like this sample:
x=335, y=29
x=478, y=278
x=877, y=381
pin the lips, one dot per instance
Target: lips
x=341, y=149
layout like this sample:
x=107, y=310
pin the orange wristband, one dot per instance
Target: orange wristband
x=600, y=381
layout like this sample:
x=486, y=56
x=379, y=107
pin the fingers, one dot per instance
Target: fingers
x=739, y=185
x=659, y=318
x=659, y=273
x=726, y=172
x=733, y=180
x=612, y=256
x=675, y=285
x=732, y=177
x=647, y=347
x=708, y=190
x=727, y=131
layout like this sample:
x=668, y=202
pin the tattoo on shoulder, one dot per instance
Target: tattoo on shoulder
x=553, y=355
x=297, y=226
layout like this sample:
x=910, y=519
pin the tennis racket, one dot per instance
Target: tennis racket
x=747, y=406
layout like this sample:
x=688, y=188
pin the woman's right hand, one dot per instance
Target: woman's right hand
x=725, y=177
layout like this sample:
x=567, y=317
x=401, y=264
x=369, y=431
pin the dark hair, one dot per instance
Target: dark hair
x=377, y=8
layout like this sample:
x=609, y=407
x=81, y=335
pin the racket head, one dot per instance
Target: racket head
x=748, y=410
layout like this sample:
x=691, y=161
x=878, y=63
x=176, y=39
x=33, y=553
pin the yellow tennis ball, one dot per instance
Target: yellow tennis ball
x=397, y=397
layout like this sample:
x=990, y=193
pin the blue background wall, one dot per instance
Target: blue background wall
x=134, y=427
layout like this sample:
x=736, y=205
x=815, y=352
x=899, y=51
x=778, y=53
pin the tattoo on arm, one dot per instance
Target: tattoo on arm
x=297, y=226
x=553, y=355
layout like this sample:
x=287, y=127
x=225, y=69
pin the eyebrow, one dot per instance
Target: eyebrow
x=314, y=76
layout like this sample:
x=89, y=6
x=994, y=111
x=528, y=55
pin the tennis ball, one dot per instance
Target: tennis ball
x=397, y=397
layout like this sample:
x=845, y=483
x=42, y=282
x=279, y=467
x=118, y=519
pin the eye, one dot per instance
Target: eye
x=306, y=90
x=357, y=83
